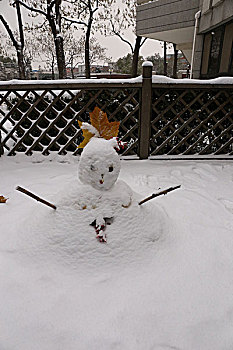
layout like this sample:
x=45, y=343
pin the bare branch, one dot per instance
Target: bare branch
x=158, y=194
x=30, y=8
x=32, y=195
x=9, y=31
x=20, y=24
x=121, y=37
x=74, y=21
x=143, y=41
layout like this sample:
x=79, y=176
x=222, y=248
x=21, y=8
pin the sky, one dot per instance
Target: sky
x=115, y=47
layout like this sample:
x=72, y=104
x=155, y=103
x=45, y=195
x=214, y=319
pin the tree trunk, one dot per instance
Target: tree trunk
x=165, y=58
x=52, y=68
x=21, y=65
x=87, y=50
x=72, y=67
x=60, y=56
x=20, y=47
x=55, y=25
x=134, y=71
x=175, y=61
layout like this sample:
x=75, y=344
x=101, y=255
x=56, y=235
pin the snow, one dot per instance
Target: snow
x=90, y=128
x=102, y=194
x=164, y=280
x=97, y=158
x=7, y=126
x=159, y=79
x=147, y=64
x=68, y=81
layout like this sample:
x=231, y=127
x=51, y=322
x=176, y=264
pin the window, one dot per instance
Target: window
x=206, y=53
x=215, y=51
x=206, y=6
x=216, y=2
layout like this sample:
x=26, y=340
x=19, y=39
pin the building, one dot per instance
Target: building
x=8, y=70
x=97, y=71
x=202, y=30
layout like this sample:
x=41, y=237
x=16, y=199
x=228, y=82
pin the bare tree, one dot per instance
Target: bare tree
x=51, y=10
x=86, y=13
x=40, y=46
x=18, y=43
x=73, y=50
x=121, y=19
x=76, y=52
x=97, y=52
x=82, y=13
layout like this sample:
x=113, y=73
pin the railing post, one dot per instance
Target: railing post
x=145, y=111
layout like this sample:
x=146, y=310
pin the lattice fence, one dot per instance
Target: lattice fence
x=192, y=121
x=47, y=120
x=155, y=119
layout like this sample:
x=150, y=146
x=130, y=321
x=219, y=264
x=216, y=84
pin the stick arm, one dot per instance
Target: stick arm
x=34, y=196
x=158, y=194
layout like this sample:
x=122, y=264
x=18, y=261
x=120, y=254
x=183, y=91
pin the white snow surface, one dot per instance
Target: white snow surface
x=147, y=64
x=164, y=280
x=159, y=79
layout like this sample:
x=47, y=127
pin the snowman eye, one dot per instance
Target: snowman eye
x=110, y=169
x=93, y=167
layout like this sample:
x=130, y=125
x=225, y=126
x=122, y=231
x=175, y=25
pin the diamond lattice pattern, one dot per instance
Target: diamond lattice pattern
x=47, y=120
x=192, y=121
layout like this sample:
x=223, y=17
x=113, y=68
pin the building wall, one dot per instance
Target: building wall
x=214, y=13
x=226, y=48
x=174, y=21
x=157, y=16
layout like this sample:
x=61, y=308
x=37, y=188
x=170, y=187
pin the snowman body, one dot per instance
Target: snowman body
x=102, y=193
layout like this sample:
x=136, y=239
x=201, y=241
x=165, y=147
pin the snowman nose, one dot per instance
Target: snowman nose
x=102, y=180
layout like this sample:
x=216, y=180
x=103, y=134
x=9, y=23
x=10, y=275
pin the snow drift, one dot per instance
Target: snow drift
x=164, y=280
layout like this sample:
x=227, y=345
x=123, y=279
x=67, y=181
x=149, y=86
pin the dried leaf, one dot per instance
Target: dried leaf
x=87, y=136
x=100, y=125
x=3, y=199
x=106, y=129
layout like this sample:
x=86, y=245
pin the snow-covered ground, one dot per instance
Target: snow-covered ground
x=164, y=280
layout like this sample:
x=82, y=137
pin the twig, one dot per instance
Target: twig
x=158, y=194
x=30, y=194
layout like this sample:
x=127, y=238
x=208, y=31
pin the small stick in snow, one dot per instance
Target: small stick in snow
x=158, y=194
x=30, y=194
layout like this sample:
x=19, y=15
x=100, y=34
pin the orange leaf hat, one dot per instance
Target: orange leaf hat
x=99, y=127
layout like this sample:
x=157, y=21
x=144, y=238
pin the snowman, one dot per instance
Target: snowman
x=99, y=167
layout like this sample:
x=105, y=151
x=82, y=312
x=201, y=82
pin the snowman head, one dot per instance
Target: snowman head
x=99, y=164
